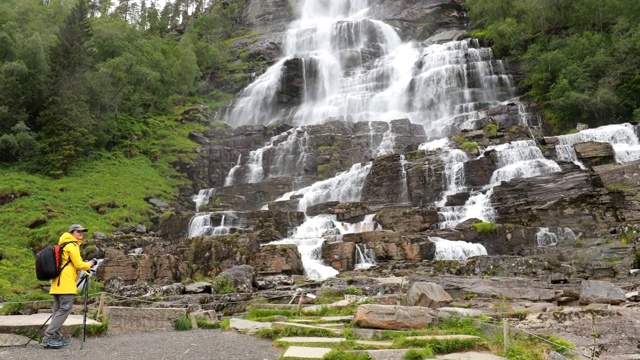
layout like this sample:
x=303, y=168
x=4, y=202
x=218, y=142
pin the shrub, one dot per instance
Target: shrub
x=469, y=146
x=206, y=324
x=223, y=285
x=490, y=129
x=343, y=355
x=485, y=227
x=352, y=290
x=183, y=323
x=418, y=354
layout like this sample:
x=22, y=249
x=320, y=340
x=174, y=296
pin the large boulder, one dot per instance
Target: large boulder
x=602, y=292
x=394, y=317
x=427, y=294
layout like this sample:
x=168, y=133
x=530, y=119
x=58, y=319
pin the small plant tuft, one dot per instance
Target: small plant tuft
x=183, y=323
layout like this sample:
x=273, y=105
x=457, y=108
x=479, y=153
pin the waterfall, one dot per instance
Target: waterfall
x=228, y=181
x=309, y=238
x=203, y=197
x=549, y=236
x=365, y=257
x=202, y=224
x=387, y=143
x=521, y=159
x=345, y=187
x=404, y=193
x=622, y=137
x=436, y=86
x=456, y=250
x=358, y=69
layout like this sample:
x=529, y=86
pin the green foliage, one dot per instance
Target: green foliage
x=469, y=146
x=286, y=331
x=441, y=346
x=66, y=201
x=352, y=290
x=183, y=323
x=485, y=227
x=94, y=329
x=578, y=56
x=223, y=285
x=257, y=313
x=418, y=354
x=490, y=129
x=206, y=324
x=346, y=355
x=618, y=187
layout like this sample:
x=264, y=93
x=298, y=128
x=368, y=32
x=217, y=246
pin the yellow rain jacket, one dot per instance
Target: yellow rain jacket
x=69, y=275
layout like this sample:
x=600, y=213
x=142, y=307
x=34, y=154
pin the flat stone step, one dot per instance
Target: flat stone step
x=248, y=326
x=374, y=343
x=326, y=340
x=10, y=324
x=310, y=339
x=304, y=352
x=279, y=323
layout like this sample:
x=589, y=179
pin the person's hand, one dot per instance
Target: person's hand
x=93, y=262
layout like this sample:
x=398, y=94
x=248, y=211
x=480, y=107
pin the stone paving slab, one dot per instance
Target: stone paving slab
x=17, y=321
x=302, y=339
x=12, y=340
x=337, y=318
x=305, y=352
x=280, y=323
x=10, y=324
x=248, y=326
x=374, y=343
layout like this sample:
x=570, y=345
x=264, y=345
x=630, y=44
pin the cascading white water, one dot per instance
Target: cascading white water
x=456, y=250
x=203, y=197
x=358, y=69
x=231, y=176
x=434, y=86
x=404, y=193
x=521, y=159
x=365, y=257
x=201, y=224
x=345, y=187
x=550, y=236
x=622, y=137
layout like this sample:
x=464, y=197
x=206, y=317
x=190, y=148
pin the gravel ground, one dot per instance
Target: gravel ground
x=192, y=345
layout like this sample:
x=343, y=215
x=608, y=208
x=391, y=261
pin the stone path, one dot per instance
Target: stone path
x=304, y=349
x=300, y=350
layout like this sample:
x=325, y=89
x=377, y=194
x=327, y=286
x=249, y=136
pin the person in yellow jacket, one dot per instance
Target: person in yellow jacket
x=64, y=288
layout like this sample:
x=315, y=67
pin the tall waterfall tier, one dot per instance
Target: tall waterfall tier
x=429, y=136
x=340, y=64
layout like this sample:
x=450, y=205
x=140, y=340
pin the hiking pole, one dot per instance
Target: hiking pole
x=46, y=321
x=84, y=315
x=37, y=332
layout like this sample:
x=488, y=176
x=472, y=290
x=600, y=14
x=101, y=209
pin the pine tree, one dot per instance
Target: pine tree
x=65, y=125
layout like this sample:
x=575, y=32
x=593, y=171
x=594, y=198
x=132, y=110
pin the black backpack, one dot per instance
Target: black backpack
x=49, y=262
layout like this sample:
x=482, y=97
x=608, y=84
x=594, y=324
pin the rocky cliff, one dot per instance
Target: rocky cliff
x=484, y=194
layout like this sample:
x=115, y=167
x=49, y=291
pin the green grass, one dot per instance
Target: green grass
x=103, y=193
x=258, y=314
x=183, y=323
x=60, y=203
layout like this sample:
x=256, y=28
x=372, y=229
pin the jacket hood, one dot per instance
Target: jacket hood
x=66, y=237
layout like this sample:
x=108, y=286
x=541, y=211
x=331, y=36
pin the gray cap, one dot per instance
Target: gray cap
x=77, y=227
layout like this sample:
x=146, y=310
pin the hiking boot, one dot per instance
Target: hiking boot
x=64, y=341
x=53, y=343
